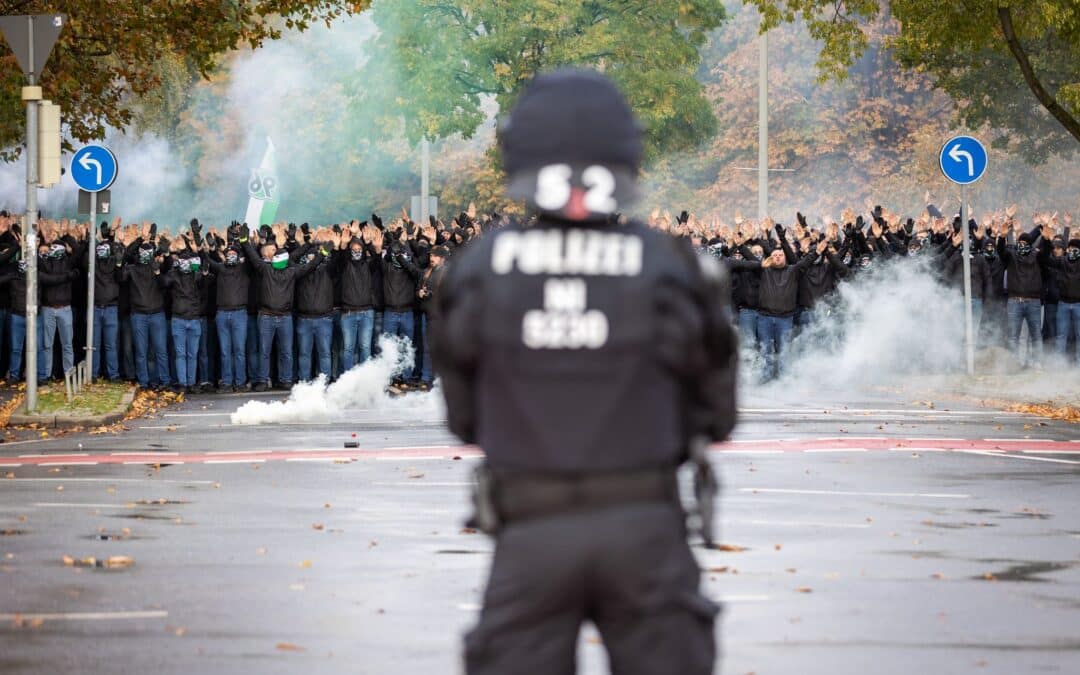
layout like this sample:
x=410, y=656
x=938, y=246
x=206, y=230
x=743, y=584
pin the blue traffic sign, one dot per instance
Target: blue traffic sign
x=963, y=160
x=93, y=168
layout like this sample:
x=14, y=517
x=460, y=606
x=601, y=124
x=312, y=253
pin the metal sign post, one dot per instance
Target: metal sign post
x=92, y=254
x=963, y=161
x=31, y=38
x=93, y=168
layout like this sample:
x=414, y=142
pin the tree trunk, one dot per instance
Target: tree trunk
x=1071, y=124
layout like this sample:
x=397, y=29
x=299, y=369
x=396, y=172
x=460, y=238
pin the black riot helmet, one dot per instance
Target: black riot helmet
x=571, y=146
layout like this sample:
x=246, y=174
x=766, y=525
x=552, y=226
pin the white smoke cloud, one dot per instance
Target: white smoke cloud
x=362, y=387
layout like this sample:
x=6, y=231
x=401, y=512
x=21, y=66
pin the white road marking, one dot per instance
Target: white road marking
x=167, y=426
x=918, y=450
x=57, y=454
x=1027, y=457
x=409, y=459
x=10, y=464
x=86, y=616
x=68, y=505
x=835, y=450
x=422, y=483
x=742, y=598
x=1052, y=452
x=32, y=440
x=753, y=452
x=144, y=453
x=420, y=447
x=240, y=452
x=112, y=480
x=1020, y=440
x=316, y=459
x=799, y=523
x=253, y=460
x=936, y=495
x=196, y=414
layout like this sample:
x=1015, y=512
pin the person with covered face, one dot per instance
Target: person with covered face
x=276, y=278
x=1068, y=310
x=1024, y=264
x=426, y=293
x=109, y=260
x=778, y=299
x=953, y=269
x=232, y=289
x=315, y=304
x=185, y=279
x=400, y=273
x=58, y=260
x=358, y=272
x=142, y=270
x=14, y=280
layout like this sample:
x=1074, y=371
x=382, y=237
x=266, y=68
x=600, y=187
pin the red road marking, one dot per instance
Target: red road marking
x=450, y=452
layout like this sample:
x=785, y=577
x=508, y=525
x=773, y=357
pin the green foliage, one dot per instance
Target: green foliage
x=111, y=55
x=436, y=61
x=962, y=46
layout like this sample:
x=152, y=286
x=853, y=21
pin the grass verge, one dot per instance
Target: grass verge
x=94, y=399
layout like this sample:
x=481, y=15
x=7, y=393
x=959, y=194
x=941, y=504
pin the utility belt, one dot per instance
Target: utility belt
x=499, y=500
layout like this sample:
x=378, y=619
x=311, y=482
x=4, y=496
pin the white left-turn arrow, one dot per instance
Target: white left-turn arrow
x=956, y=153
x=86, y=160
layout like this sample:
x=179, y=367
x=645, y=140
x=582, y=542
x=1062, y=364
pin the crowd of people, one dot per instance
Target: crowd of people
x=1025, y=277
x=252, y=308
x=230, y=310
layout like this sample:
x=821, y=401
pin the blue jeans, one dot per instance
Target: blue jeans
x=377, y=332
x=282, y=328
x=748, y=328
x=1068, y=318
x=5, y=323
x=18, y=341
x=185, y=334
x=804, y=317
x=232, y=328
x=206, y=376
x=106, y=330
x=1026, y=312
x=402, y=325
x=254, y=362
x=774, y=334
x=317, y=333
x=149, y=331
x=426, y=374
x=53, y=320
x=357, y=329
x=336, y=347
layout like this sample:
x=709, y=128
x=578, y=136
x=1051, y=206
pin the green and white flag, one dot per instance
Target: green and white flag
x=263, y=191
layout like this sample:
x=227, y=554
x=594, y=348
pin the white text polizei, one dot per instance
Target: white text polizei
x=572, y=251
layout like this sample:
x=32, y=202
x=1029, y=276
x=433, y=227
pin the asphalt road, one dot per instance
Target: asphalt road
x=881, y=536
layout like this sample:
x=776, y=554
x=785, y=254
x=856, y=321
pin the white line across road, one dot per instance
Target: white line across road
x=107, y=480
x=68, y=505
x=987, y=453
x=85, y=616
x=835, y=450
x=800, y=523
x=845, y=493
x=196, y=414
x=423, y=483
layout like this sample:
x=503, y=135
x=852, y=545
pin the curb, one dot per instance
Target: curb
x=54, y=421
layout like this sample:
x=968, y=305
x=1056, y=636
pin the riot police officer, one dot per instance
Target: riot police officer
x=583, y=357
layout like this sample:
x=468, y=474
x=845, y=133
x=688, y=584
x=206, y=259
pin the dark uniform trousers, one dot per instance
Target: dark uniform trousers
x=626, y=568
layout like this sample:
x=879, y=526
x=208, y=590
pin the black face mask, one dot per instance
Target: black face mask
x=23, y=265
x=145, y=256
x=232, y=259
x=1023, y=248
x=990, y=254
x=1072, y=255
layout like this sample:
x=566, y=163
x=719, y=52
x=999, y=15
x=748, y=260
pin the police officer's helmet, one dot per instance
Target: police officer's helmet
x=571, y=146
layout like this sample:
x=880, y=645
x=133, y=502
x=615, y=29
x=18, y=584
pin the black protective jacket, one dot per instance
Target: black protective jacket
x=315, y=290
x=107, y=275
x=276, y=287
x=186, y=293
x=400, y=273
x=56, y=292
x=1024, y=274
x=820, y=279
x=358, y=280
x=233, y=285
x=982, y=286
x=550, y=369
x=1068, y=278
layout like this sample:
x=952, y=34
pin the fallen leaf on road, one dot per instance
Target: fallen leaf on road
x=69, y=561
x=416, y=475
x=289, y=647
x=305, y=564
x=316, y=526
x=119, y=561
x=326, y=505
x=179, y=632
x=989, y=577
x=729, y=548
x=468, y=530
x=720, y=570
x=778, y=546
x=9, y=474
x=804, y=589
x=59, y=488
x=790, y=570
x=260, y=551
x=937, y=575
